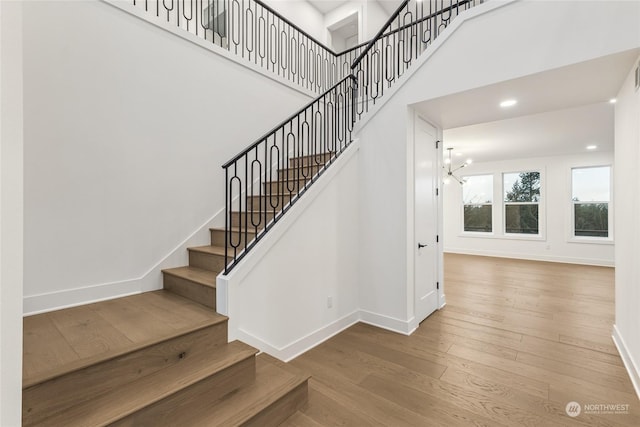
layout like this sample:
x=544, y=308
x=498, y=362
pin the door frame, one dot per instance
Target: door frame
x=441, y=301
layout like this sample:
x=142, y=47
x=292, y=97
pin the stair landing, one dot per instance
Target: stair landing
x=58, y=342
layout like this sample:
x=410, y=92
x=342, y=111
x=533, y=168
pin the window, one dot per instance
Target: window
x=521, y=202
x=477, y=197
x=590, y=196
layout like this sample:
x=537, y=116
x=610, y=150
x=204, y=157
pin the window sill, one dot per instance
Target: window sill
x=592, y=240
x=529, y=237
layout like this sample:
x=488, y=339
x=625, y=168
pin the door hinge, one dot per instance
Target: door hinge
x=437, y=285
x=437, y=142
x=437, y=238
x=437, y=192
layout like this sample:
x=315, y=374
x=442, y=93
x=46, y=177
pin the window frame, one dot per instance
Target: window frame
x=540, y=235
x=492, y=204
x=572, y=220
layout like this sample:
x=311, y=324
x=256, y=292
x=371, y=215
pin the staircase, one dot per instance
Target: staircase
x=162, y=358
x=154, y=359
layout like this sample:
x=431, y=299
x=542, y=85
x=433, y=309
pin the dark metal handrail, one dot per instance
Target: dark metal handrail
x=265, y=179
x=307, y=35
x=268, y=177
x=287, y=120
x=409, y=31
x=379, y=34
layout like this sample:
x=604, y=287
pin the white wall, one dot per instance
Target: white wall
x=126, y=129
x=556, y=242
x=276, y=298
x=490, y=42
x=11, y=222
x=371, y=17
x=627, y=229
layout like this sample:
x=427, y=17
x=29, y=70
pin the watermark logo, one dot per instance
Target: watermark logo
x=573, y=409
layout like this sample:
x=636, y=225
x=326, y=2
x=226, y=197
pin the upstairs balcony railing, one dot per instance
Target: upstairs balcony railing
x=259, y=34
x=267, y=178
x=256, y=32
x=405, y=36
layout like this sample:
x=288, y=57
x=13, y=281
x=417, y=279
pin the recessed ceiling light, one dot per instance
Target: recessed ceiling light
x=613, y=101
x=508, y=103
x=591, y=147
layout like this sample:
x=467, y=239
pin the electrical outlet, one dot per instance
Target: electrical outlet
x=329, y=302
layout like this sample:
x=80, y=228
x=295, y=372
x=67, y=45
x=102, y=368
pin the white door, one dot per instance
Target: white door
x=427, y=173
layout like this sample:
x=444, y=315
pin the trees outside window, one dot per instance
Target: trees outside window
x=521, y=202
x=590, y=197
x=477, y=196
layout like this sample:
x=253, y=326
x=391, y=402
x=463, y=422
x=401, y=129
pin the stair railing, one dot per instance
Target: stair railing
x=259, y=34
x=269, y=176
x=405, y=36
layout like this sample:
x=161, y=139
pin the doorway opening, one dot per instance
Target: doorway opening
x=344, y=34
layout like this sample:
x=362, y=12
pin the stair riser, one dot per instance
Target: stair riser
x=261, y=203
x=201, y=294
x=217, y=238
x=298, y=173
x=285, y=186
x=259, y=218
x=318, y=159
x=282, y=409
x=56, y=395
x=206, y=391
x=206, y=261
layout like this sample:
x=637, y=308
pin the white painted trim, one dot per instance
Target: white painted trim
x=457, y=22
x=303, y=344
x=43, y=303
x=149, y=281
x=404, y=327
x=173, y=29
x=532, y=257
x=632, y=367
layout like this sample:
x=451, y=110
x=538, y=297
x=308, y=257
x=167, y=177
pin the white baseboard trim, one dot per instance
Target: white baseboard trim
x=149, y=281
x=35, y=304
x=632, y=368
x=301, y=345
x=404, y=327
x=532, y=257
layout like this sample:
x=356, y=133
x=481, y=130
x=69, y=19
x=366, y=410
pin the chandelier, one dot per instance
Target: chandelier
x=450, y=170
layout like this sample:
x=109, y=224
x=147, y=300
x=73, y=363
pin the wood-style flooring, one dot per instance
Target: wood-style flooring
x=516, y=342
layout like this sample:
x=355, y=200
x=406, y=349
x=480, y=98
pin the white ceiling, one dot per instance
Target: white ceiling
x=326, y=6
x=558, y=112
x=552, y=133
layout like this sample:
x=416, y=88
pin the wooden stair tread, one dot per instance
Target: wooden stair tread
x=272, y=383
x=113, y=325
x=194, y=274
x=116, y=404
x=212, y=250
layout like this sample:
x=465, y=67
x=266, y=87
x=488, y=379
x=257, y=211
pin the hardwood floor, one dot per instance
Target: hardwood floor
x=517, y=341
